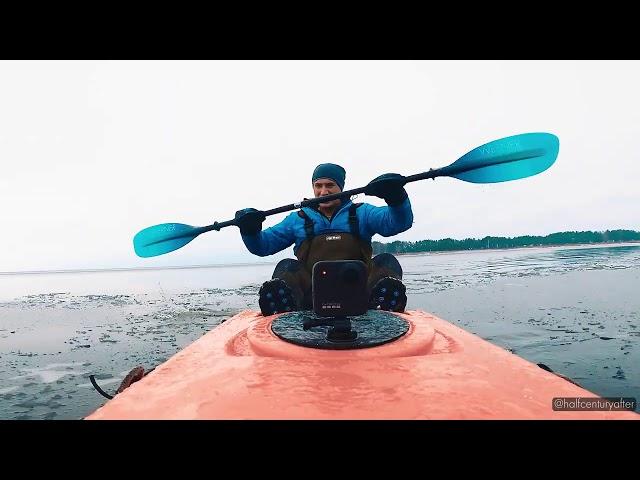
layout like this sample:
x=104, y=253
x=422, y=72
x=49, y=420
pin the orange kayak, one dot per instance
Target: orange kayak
x=428, y=369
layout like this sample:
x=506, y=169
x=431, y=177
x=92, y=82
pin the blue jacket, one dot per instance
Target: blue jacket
x=386, y=221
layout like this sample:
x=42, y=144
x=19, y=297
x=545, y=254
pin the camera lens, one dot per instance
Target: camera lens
x=350, y=274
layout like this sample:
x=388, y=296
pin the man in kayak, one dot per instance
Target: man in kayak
x=335, y=230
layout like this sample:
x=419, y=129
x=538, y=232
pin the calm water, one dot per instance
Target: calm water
x=576, y=309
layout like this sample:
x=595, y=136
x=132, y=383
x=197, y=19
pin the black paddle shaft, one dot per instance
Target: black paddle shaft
x=308, y=202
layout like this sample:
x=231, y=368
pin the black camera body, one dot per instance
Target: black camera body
x=339, y=288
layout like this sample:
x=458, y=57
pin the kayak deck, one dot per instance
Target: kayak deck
x=242, y=370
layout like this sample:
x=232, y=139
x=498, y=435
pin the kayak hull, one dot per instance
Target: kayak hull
x=242, y=370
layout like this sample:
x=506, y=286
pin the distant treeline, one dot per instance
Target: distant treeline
x=559, y=238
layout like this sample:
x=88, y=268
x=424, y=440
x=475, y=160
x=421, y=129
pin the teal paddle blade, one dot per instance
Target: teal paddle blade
x=163, y=238
x=510, y=158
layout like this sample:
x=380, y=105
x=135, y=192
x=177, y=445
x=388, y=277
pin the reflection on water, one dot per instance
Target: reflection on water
x=436, y=272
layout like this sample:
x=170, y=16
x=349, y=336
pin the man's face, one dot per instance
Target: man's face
x=326, y=186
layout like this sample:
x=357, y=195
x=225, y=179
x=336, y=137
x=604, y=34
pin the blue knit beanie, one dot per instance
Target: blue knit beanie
x=331, y=171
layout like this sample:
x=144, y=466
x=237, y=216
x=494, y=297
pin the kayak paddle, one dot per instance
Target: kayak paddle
x=509, y=158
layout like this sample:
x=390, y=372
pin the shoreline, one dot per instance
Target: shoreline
x=259, y=264
x=555, y=245
x=129, y=269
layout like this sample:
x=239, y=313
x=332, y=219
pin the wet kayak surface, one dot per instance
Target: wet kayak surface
x=243, y=370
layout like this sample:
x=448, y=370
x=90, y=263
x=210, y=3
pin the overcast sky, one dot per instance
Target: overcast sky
x=93, y=151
